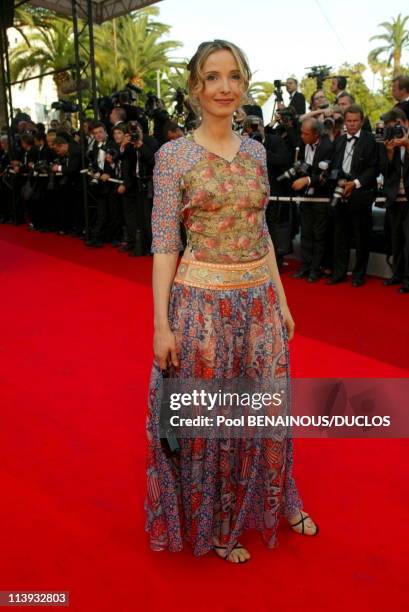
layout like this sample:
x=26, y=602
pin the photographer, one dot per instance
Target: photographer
x=117, y=116
x=23, y=167
x=5, y=188
x=355, y=164
x=396, y=190
x=317, y=150
x=64, y=196
x=344, y=101
x=338, y=87
x=333, y=125
x=400, y=92
x=101, y=190
x=171, y=131
x=138, y=160
x=297, y=99
x=45, y=157
x=319, y=107
x=284, y=124
x=278, y=160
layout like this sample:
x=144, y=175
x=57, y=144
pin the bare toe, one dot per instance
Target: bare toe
x=296, y=523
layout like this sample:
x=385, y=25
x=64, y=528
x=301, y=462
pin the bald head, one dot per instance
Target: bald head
x=311, y=130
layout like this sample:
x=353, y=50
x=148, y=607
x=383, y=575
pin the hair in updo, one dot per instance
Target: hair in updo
x=195, y=67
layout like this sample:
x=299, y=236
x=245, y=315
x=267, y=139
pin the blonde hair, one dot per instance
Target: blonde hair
x=195, y=67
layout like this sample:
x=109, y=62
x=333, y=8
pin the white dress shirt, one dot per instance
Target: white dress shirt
x=348, y=153
x=309, y=159
x=101, y=156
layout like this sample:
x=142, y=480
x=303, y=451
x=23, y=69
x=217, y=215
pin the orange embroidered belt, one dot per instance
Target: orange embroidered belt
x=222, y=276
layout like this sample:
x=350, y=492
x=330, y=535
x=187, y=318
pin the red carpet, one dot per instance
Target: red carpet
x=75, y=351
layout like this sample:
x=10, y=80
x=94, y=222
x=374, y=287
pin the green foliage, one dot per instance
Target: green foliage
x=47, y=48
x=260, y=91
x=129, y=49
x=395, y=39
x=374, y=103
x=135, y=47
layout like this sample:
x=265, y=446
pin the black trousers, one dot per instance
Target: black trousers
x=280, y=226
x=62, y=200
x=6, y=202
x=352, y=220
x=138, y=214
x=108, y=224
x=314, y=221
x=398, y=218
x=39, y=204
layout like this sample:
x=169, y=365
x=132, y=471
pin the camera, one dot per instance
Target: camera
x=134, y=131
x=320, y=73
x=329, y=123
x=379, y=131
x=125, y=96
x=395, y=131
x=41, y=167
x=65, y=106
x=112, y=151
x=338, y=192
x=285, y=118
x=278, y=91
x=297, y=169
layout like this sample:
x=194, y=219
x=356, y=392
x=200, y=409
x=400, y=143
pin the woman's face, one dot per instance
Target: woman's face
x=319, y=100
x=223, y=85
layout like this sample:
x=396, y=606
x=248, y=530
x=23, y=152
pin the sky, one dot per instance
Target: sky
x=282, y=38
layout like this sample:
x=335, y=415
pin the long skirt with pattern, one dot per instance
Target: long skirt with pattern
x=219, y=487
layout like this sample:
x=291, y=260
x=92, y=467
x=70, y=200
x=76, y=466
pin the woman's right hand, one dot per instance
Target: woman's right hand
x=164, y=347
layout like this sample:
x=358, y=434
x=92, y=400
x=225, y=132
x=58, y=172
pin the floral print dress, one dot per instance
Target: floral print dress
x=217, y=487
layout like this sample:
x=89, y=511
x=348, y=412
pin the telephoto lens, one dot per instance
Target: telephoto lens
x=338, y=193
x=290, y=173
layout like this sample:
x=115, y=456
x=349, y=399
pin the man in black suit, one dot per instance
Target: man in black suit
x=400, y=91
x=344, y=101
x=338, y=87
x=102, y=190
x=117, y=116
x=67, y=202
x=396, y=190
x=355, y=161
x=27, y=156
x=316, y=148
x=40, y=206
x=138, y=161
x=278, y=159
x=297, y=99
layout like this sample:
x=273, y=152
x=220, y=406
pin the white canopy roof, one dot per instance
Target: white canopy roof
x=102, y=10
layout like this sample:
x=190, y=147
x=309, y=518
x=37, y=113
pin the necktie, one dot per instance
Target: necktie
x=352, y=138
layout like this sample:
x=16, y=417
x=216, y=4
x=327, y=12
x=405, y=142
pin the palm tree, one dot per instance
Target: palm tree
x=129, y=49
x=23, y=19
x=260, y=91
x=396, y=39
x=49, y=48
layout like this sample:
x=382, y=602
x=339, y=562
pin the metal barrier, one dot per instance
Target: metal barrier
x=299, y=199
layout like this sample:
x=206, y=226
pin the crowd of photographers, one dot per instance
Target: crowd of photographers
x=339, y=168
x=328, y=156
x=43, y=179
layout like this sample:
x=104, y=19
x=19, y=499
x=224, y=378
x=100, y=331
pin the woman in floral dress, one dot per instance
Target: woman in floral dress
x=222, y=315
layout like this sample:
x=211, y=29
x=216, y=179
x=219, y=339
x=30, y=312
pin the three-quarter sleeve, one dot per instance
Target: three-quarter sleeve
x=167, y=197
x=261, y=156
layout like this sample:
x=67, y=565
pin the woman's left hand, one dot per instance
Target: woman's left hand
x=288, y=321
